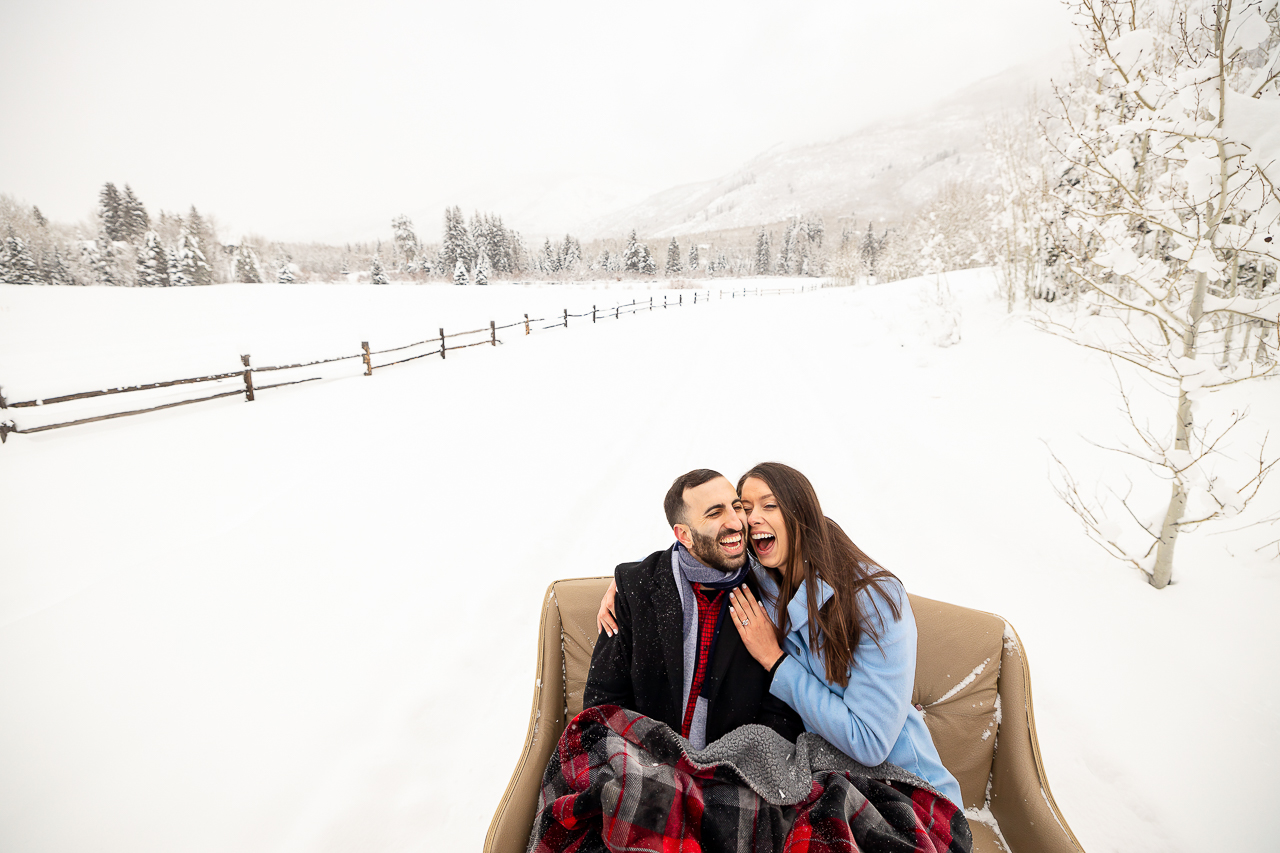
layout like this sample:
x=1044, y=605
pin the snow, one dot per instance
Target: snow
x=965, y=682
x=308, y=622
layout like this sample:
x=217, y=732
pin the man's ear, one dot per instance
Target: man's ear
x=682, y=535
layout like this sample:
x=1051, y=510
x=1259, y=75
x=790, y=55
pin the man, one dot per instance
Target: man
x=673, y=656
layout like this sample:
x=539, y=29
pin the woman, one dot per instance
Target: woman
x=835, y=630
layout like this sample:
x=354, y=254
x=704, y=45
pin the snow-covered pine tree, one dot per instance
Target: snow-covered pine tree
x=469, y=250
x=482, y=269
x=453, y=245
x=173, y=269
x=284, y=272
x=788, y=256
x=247, y=268
x=460, y=273
x=99, y=257
x=602, y=261
x=192, y=267
x=550, y=259
x=693, y=257
x=135, y=222
x=54, y=268
x=764, y=252
x=869, y=249
x=570, y=254
x=38, y=217
x=406, y=242
x=674, y=264
x=203, y=247
x=632, y=258
x=377, y=275
x=18, y=266
x=1168, y=134
x=498, y=246
x=153, y=262
x=648, y=266
x=111, y=213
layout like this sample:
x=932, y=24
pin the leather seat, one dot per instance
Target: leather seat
x=971, y=678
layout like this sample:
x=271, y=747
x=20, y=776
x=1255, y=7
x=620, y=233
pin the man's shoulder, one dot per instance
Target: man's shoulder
x=643, y=574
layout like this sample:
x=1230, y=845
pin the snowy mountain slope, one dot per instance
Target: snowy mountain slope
x=884, y=170
x=308, y=623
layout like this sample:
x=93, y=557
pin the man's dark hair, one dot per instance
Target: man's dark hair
x=673, y=504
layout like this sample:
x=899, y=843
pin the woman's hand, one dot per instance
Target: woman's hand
x=606, y=620
x=754, y=626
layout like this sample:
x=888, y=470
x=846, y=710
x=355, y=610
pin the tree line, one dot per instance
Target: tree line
x=122, y=244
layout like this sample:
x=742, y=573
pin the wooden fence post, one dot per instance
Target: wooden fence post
x=493, y=333
x=650, y=303
x=526, y=324
x=368, y=362
x=680, y=304
x=248, y=379
x=593, y=313
x=442, y=346
x=664, y=302
x=566, y=318
x=617, y=311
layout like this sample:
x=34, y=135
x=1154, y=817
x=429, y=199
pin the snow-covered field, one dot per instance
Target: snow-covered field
x=308, y=623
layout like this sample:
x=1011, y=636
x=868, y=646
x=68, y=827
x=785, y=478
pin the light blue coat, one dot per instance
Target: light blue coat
x=872, y=719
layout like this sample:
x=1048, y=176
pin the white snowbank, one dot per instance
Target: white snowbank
x=308, y=623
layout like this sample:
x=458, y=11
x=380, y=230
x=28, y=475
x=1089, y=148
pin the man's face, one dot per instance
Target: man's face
x=714, y=525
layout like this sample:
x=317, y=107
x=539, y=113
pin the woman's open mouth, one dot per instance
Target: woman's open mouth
x=763, y=543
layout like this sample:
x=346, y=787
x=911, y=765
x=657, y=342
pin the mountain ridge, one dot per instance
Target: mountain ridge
x=883, y=172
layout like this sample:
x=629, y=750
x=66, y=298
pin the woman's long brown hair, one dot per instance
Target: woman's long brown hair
x=823, y=550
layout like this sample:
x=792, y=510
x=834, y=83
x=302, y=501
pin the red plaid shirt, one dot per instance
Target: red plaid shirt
x=709, y=602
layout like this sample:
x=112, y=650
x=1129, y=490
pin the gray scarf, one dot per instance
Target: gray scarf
x=689, y=570
x=696, y=571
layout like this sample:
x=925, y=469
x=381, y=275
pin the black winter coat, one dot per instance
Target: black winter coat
x=641, y=667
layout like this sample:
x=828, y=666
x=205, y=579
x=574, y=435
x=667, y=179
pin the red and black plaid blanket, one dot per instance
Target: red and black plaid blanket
x=621, y=781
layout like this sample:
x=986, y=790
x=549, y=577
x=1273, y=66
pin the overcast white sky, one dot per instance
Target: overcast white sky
x=322, y=120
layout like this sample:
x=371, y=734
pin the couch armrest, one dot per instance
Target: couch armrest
x=1020, y=797
x=513, y=821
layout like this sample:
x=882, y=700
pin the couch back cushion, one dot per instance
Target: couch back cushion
x=579, y=601
x=957, y=668
x=957, y=675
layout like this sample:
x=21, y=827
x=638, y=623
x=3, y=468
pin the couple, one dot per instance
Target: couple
x=741, y=658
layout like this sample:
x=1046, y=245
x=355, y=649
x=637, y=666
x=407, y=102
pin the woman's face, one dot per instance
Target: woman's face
x=765, y=526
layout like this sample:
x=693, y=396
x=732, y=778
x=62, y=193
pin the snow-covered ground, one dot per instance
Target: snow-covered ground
x=308, y=623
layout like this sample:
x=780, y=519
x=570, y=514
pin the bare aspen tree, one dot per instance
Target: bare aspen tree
x=1168, y=178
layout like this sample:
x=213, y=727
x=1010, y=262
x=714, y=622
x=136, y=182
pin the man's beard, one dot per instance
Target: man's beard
x=707, y=549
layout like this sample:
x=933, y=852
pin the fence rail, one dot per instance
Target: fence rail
x=249, y=389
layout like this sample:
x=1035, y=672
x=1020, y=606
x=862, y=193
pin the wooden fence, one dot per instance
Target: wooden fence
x=249, y=388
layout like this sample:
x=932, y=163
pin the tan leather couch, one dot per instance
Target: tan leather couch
x=971, y=676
